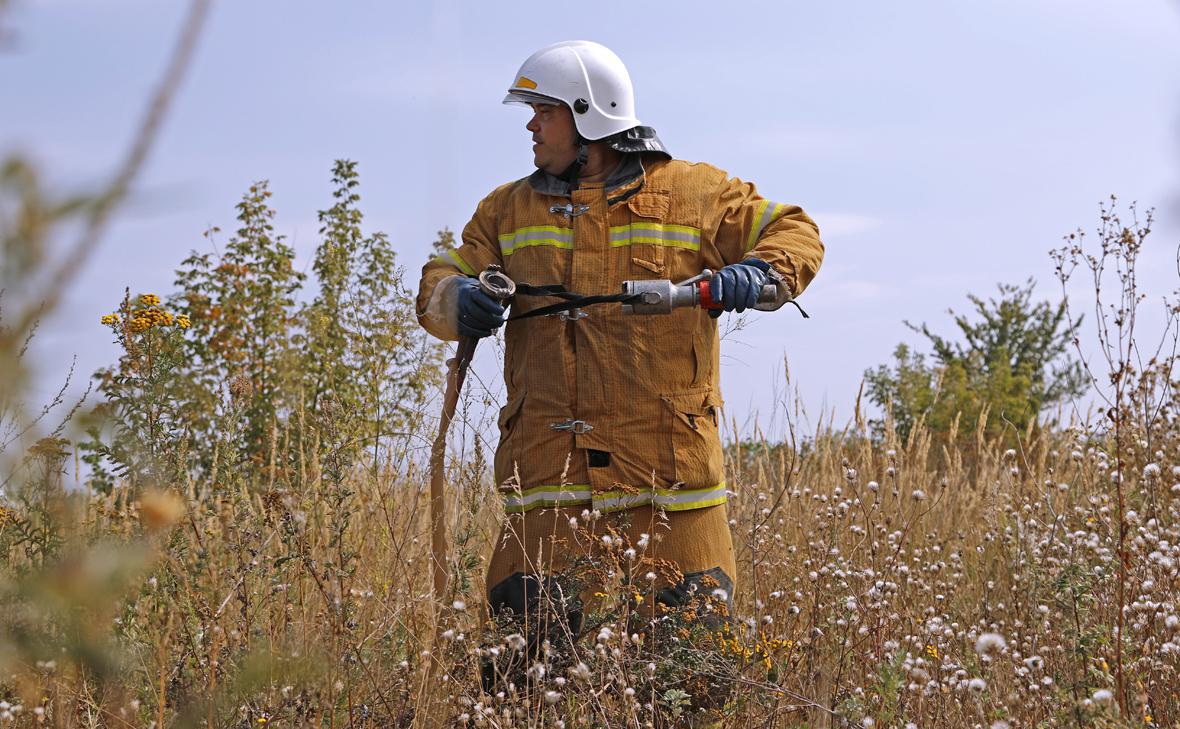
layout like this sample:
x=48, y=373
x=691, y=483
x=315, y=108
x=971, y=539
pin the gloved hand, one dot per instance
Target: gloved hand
x=479, y=314
x=738, y=285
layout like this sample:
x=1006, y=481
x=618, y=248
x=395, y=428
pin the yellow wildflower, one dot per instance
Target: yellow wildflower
x=183, y=322
x=110, y=319
x=149, y=300
x=143, y=319
x=932, y=651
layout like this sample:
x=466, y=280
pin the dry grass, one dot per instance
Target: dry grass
x=872, y=585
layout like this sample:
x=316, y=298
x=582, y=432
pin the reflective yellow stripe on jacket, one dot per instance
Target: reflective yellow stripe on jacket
x=536, y=235
x=452, y=258
x=765, y=214
x=608, y=501
x=675, y=236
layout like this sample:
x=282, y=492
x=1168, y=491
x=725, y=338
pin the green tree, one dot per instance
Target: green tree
x=213, y=383
x=241, y=305
x=1011, y=364
x=909, y=387
x=367, y=364
x=444, y=242
x=398, y=365
x=1032, y=338
x=328, y=370
x=234, y=378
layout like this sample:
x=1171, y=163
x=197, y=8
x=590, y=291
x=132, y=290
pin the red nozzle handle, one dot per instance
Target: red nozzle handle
x=706, y=296
x=768, y=294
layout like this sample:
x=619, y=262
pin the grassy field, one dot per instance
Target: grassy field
x=250, y=545
x=886, y=584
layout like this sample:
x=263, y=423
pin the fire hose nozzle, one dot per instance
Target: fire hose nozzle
x=661, y=296
x=657, y=296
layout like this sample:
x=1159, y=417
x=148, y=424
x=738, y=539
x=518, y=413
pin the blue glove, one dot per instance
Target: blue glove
x=738, y=285
x=479, y=314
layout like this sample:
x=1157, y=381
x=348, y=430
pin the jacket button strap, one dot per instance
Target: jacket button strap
x=570, y=210
x=577, y=427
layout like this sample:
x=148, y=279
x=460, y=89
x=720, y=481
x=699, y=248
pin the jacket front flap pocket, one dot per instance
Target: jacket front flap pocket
x=509, y=412
x=692, y=427
x=653, y=266
x=691, y=406
x=650, y=204
x=648, y=208
x=508, y=452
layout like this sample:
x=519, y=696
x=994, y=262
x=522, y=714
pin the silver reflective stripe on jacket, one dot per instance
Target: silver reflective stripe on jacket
x=536, y=235
x=661, y=234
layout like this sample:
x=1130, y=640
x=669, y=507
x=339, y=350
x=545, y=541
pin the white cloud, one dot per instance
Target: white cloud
x=853, y=291
x=803, y=143
x=442, y=85
x=837, y=224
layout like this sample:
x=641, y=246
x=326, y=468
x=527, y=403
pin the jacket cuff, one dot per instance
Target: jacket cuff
x=782, y=289
x=440, y=316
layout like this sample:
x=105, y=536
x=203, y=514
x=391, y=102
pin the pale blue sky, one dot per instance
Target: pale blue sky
x=942, y=146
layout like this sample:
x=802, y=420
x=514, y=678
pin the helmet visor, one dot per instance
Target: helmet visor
x=527, y=98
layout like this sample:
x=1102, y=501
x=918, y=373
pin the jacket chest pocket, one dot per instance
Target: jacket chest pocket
x=691, y=423
x=660, y=240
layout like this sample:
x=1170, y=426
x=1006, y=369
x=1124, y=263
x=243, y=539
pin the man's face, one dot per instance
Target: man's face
x=555, y=139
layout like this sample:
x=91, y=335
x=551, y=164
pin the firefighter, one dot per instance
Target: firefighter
x=611, y=422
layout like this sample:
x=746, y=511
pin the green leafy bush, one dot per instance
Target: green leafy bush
x=235, y=370
x=1011, y=364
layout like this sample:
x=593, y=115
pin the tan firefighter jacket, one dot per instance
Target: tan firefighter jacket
x=613, y=411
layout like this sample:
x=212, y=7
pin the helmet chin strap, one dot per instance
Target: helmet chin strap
x=570, y=174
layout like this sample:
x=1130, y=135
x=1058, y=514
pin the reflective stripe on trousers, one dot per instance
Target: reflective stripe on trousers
x=609, y=501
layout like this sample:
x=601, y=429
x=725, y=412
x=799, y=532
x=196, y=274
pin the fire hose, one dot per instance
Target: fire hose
x=495, y=283
x=655, y=296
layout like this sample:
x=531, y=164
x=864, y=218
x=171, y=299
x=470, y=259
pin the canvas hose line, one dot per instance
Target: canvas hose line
x=571, y=300
x=496, y=284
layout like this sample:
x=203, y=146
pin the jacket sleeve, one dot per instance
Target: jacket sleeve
x=437, y=302
x=750, y=226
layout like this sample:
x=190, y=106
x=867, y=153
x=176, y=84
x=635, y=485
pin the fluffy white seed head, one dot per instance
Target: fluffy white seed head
x=990, y=643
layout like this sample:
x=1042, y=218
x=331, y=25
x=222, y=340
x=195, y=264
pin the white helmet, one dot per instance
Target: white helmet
x=588, y=78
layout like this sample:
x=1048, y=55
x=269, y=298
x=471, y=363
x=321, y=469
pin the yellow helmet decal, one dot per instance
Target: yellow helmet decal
x=525, y=83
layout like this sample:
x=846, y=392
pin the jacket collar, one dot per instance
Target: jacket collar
x=629, y=170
